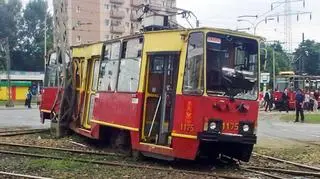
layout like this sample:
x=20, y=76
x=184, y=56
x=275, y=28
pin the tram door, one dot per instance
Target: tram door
x=160, y=90
x=90, y=78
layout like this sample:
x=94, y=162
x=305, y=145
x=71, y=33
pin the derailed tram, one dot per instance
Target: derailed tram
x=166, y=94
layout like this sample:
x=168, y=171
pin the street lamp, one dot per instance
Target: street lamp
x=255, y=25
x=239, y=29
x=245, y=16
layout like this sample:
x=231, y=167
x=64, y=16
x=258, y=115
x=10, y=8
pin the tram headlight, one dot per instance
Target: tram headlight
x=212, y=126
x=245, y=128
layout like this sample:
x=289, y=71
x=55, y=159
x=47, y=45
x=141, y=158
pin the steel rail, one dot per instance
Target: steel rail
x=117, y=164
x=59, y=149
x=263, y=173
x=22, y=132
x=291, y=172
x=22, y=175
x=286, y=161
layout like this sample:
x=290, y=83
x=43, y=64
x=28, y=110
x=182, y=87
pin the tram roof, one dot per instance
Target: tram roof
x=211, y=29
x=300, y=76
x=204, y=29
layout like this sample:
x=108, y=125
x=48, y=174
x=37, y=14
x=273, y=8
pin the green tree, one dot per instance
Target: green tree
x=31, y=37
x=282, y=61
x=307, y=58
x=10, y=15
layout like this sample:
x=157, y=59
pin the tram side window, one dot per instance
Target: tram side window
x=193, y=75
x=95, y=77
x=109, y=68
x=130, y=65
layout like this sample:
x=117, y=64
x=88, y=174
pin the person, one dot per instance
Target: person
x=285, y=101
x=313, y=102
x=316, y=99
x=299, y=105
x=267, y=99
x=316, y=95
x=307, y=101
x=29, y=98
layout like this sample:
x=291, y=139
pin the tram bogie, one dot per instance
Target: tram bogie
x=169, y=94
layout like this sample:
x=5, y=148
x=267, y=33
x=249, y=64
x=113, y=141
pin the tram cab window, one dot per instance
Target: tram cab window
x=232, y=66
x=109, y=67
x=193, y=76
x=129, y=73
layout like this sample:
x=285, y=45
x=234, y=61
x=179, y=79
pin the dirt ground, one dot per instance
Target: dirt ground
x=302, y=152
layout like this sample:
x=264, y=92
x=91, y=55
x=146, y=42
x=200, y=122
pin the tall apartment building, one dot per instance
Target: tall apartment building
x=99, y=20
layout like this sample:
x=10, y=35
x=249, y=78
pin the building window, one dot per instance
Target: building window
x=128, y=10
x=106, y=6
x=106, y=37
x=127, y=24
x=106, y=22
x=78, y=9
x=78, y=38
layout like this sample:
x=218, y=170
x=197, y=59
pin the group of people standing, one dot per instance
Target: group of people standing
x=303, y=101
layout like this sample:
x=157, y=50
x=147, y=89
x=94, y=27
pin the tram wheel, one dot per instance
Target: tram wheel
x=137, y=155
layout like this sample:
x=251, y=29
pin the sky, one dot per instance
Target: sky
x=224, y=13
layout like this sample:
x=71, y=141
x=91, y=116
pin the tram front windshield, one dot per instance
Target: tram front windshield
x=232, y=66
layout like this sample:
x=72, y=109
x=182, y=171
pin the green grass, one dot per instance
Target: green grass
x=308, y=118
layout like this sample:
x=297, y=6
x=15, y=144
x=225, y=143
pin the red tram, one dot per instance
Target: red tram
x=290, y=81
x=166, y=94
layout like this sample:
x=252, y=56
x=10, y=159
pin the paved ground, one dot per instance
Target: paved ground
x=270, y=126
x=20, y=117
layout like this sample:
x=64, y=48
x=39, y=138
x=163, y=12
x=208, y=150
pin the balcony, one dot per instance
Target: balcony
x=117, y=14
x=117, y=1
x=134, y=17
x=117, y=29
x=136, y=3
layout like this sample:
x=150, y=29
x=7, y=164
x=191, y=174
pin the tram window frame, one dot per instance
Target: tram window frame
x=95, y=78
x=103, y=59
x=196, y=91
x=125, y=58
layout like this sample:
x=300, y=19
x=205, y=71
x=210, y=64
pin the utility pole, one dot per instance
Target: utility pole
x=45, y=44
x=288, y=19
x=274, y=69
x=288, y=25
x=60, y=124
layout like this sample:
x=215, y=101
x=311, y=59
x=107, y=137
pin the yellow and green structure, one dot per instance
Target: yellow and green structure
x=18, y=90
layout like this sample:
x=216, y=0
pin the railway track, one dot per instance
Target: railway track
x=265, y=171
x=103, y=162
x=8, y=174
x=272, y=172
x=10, y=133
